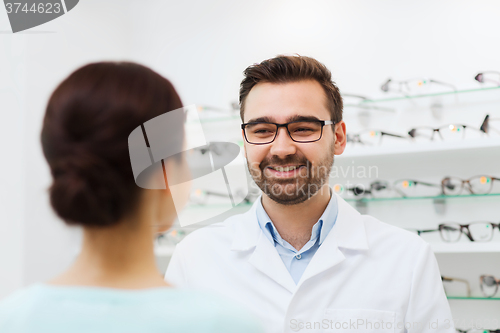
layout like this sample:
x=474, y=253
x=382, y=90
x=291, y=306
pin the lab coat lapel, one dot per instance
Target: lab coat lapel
x=348, y=232
x=267, y=260
x=248, y=236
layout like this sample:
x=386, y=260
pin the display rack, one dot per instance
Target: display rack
x=438, y=197
x=474, y=298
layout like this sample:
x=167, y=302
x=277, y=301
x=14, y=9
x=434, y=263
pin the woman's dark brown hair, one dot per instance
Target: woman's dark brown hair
x=284, y=69
x=85, y=138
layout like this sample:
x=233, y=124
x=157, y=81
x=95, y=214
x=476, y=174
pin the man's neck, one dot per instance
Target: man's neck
x=294, y=222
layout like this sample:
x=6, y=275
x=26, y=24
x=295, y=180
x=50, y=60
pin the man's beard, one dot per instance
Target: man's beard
x=309, y=180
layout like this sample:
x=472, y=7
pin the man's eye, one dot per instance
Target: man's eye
x=303, y=130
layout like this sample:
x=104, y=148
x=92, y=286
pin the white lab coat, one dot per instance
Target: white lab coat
x=366, y=275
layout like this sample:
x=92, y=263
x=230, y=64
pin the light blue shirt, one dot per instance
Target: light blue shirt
x=297, y=261
x=44, y=308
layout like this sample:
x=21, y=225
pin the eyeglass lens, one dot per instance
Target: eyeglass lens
x=489, y=285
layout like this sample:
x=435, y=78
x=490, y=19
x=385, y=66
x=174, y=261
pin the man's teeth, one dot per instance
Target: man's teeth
x=281, y=169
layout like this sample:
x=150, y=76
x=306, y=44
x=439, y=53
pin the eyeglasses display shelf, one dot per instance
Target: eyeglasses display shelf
x=474, y=298
x=439, y=197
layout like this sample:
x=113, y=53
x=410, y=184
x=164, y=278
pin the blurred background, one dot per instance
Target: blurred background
x=203, y=47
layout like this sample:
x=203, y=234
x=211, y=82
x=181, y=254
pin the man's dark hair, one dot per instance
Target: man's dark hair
x=285, y=69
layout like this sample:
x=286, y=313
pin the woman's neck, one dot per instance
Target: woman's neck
x=120, y=256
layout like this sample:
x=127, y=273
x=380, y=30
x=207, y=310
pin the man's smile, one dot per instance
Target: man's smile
x=283, y=171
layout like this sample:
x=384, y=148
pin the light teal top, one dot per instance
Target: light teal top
x=44, y=308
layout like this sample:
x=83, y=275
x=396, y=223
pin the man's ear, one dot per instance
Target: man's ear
x=340, y=137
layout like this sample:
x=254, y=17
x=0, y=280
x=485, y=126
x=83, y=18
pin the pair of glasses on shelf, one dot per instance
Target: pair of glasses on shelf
x=474, y=185
x=416, y=188
x=371, y=137
x=384, y=189
x=408, y=86
x=450, y=232
x=449, y=132
x=453, y=280
x=489, y=285
x=201, y=197
x=481, y=184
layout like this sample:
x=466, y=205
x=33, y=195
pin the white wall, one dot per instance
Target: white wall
x=12, y=91
x=34, y=244
x=204, y=46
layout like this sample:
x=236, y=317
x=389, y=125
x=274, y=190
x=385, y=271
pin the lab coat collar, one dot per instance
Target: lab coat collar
x=348, y=232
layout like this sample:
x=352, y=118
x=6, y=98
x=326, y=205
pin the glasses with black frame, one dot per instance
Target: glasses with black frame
x=376, y=189
x=302, y=131
x=446, y=133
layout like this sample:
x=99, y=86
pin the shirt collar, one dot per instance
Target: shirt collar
x=320, y=228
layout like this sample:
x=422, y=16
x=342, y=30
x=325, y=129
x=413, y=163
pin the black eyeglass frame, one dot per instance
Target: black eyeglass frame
x=356, y=138
x=412, y=132
x=323, y=123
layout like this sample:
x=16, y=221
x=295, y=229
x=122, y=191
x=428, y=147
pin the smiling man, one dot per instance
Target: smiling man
x=302, y=258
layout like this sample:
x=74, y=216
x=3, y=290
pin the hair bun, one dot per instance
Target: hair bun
x=86, y=191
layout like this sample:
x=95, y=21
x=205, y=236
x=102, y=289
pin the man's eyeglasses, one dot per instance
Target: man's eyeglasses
x=303, y=131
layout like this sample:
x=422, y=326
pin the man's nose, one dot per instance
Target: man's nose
x=283, y=145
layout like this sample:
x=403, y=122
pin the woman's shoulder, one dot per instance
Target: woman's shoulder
x=220, y=314
x=17, y=303
x=169, y=308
